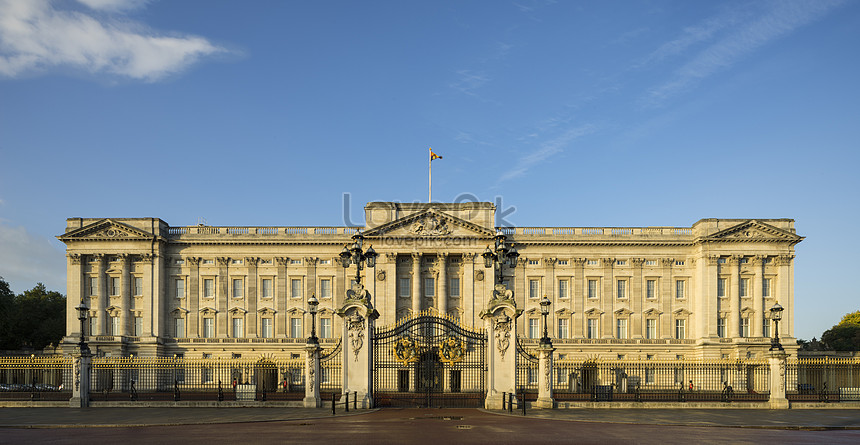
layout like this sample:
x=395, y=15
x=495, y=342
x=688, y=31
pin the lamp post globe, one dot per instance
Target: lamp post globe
x=776, y=316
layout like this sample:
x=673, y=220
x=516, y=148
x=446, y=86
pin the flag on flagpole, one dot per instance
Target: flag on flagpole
x=434, y=155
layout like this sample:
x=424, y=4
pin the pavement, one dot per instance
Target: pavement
x=432, y=426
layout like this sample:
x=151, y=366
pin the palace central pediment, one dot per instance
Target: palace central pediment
x=106, y=230
x=754, y=230
x=430, y=223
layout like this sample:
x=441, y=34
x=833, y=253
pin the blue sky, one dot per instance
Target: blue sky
x=572, y=113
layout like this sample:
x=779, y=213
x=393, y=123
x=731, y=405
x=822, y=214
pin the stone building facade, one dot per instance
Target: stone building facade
x=700, y=292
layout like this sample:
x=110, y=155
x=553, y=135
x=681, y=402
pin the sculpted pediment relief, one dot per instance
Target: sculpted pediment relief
x=753, y=230
x=652, y=312
x=429, y=223
x=106, y=229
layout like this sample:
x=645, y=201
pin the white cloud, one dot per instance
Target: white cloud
x=27, y=259
x=547, y=149
x=740, y=38
x=36, y=36
x=470, y=81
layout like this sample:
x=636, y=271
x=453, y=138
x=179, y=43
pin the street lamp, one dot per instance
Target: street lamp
x=312, y=305
x=776, y=315
x=355, y=255
x=502, y=255
x=82, y=316
x=544, y=310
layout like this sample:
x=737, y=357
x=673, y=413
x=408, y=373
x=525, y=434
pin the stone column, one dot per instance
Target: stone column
x=637, y=297
x=102, y=301
x=358, y=321
x=757, y=298
x=468, y=295
x=150, y=294
x=280, y=322
x=711, y=274
x=500, y=322
x=667, y=297
x=578, y=295
x=389, y=305
x=312, y=374
x=442, y=298
x=81, y=386
x=192, y=325
x=734, y=297
x=545, y=399
x=124, y=294
x=416, y=282
x=784, y=282
x=777, y=399
x=607, y=299
x=76, y=288
x=222, y=304
x=251, y=298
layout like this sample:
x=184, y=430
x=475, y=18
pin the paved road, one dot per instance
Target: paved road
x=434, y=426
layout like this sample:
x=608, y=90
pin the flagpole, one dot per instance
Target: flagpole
x=430, y=180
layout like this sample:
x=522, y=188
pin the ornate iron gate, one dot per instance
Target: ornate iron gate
x=429, y=361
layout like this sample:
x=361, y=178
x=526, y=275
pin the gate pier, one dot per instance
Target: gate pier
x=358, y=320
x=500, y=322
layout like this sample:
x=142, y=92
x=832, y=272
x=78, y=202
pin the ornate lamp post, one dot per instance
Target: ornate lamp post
x=353, y=254
x=503, y=255
x=82, y=316
x=312, y=305
x=776, y=315
x=544, y=310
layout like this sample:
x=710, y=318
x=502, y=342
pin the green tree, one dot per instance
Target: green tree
x=845, y=336
x=32, y=319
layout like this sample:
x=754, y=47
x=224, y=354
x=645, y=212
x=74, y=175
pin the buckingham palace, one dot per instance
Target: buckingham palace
x=699, y=292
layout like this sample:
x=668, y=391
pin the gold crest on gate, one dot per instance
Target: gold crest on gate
x=406, y=351
x=452, y=351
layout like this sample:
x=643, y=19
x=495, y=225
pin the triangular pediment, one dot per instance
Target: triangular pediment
x=430, y=223
x=754, y=230
x=106, y=229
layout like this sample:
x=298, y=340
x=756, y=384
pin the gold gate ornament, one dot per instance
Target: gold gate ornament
x=452, y=351
x=406, y=351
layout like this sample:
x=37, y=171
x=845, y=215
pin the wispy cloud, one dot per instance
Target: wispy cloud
x=731, y=37
x=26, y=259
x=36, y=36
x=546, y=150
x=469, y=81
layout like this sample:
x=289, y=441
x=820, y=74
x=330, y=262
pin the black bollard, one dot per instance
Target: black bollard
x=355, y=401
x=333, y=397
x=346, y=402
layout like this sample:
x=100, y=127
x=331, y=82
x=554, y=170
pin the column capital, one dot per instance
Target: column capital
x=192, y=260
x=713, y=260
x=74, y=258
x=637, y=262
x=311, y=261
x=784, y=260
x=608, y=262
x=667, y=262
x=578, y=261
x=145, y=257
x=391, y=257
x=282, y=260
x=757, y=260
x=550, y=261
x=252, y=261
x=222, y=260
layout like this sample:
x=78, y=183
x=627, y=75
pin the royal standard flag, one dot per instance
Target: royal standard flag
x=434, y=155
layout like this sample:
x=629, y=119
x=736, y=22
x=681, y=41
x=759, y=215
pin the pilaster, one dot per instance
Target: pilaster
x=637, y=298
x=734, y=321
x=416, y=282
x=251, y=298
x=578, y=295
x=75, y=287
x=757, y=298
x=221, y=316
x=667, y=296
x=102, y=301
x=124, y=294
x=607, y=298
x=442, y=298
x=192, y=324
x=281, y=297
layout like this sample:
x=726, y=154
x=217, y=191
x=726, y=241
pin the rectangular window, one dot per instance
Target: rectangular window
x=679, y=288
x=563, y=289
x=94, y=285
x=534, y=328
x=765, y=328
x=267, y=327
x=179, y=327
x=563, y=328
x=238, y=288
x=454, y=288
x=325, y=327
x=325, y=288
x=650, y=328
x=745, y=327
x=721, y=287
x=295, y=327
x=562, y=262
x=744, y=287
x=238, y=328
x=721, y=327
x=405, y=287
x=534, y=288
x=621, y=328
x=114, y=326
x=591, y=328
x=429, y=287
x=680, y=329
x=138, y=326
x=651, y=289
x=138, y=286
x=621, y=287
x=179, y=288
x=208, y=327
x=592, y=289
x=208, y=288
x=267, y=288
x=765, y=288
x=296, y=288
x=114, y=286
